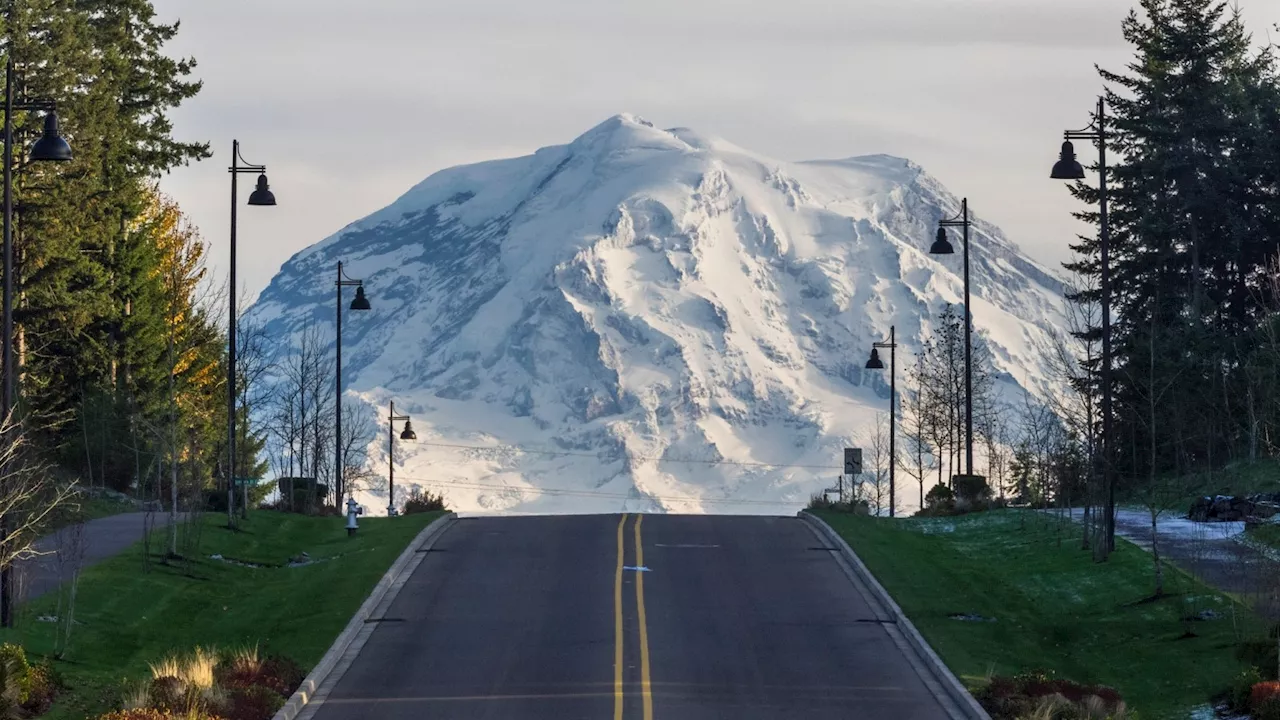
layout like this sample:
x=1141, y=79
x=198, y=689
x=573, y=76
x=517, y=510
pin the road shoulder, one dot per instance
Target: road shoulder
x=315, y=688
x=936, y=675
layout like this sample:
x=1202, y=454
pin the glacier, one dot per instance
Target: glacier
x=649, y=320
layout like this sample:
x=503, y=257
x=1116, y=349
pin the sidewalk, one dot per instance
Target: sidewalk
x=102, y=538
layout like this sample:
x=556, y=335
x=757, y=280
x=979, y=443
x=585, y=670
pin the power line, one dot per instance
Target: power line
x=596, y=456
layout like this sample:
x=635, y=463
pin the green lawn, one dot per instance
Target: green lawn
x=130, y=618
x=82, y=508
x=1054, y=608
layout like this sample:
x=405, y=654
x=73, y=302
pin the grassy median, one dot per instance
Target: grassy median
x=127, y=617
x=1036, y=601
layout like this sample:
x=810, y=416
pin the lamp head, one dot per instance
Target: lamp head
x=361, y=302
x=941, y=245
x=408, y=433
x=262, y=195
x=1067, y=168
x=51, y=146
x=875, y=363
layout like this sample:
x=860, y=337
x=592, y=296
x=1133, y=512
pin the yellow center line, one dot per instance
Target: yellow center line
x=617, y=625
x=645, y=684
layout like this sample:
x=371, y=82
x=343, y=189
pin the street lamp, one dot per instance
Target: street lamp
x=51, y=147
x=942, y=246
x=261, y=196
x=875, y=363
x=360, y=303
x=1068, y=168
x=408, y=434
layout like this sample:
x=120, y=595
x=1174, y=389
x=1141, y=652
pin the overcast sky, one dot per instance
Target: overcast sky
x=351, y=103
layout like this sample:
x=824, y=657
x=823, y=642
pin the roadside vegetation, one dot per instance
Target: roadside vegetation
x=273, y=593
x=1009, y=595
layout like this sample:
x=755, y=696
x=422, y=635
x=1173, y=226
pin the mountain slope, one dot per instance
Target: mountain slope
x=648, y=319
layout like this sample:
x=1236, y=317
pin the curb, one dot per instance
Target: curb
x=945, y=678
x=385, y=590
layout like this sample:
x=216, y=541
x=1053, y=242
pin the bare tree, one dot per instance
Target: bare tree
x=359, y=430
x=916, y=423
x=70, y=556
x=874, y=489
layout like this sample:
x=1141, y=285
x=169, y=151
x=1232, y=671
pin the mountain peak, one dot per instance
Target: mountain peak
x=647, y=319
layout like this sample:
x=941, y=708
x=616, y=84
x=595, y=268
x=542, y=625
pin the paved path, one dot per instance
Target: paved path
x=102, y=538
x=1210, y=551
x=740, y=618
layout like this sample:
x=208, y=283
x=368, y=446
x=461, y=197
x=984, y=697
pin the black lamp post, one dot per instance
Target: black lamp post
x=408, y=434
x=875, y=363
x=942, y=246
x=360, y=303
x=1068, y=168
x=51, y=147
x=261, y=196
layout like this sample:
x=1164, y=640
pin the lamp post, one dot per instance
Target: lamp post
x=942, y=246
x=261, y=196
x=1068, y=168
x=50, y=147
x=408, y=434
x=360, y=303
x=875, y=363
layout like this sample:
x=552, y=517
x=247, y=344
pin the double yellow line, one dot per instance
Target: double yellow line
x=646, y=690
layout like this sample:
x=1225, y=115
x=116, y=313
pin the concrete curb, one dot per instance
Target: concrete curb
x=384, y=592
x=945, y=678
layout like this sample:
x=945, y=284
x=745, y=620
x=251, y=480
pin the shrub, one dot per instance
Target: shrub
x=282, y=674
x=1242, y=687
x=254, y=703
x=195, y=669
x=1260, y=654
x=16, y=670
x=1268, y=709
x=1037, y=694
x=44, y=685
x=420, y=501
x=153, y=714
x=1263, y=692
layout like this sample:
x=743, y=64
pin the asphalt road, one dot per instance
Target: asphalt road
x=742, y=618
x=74, y=548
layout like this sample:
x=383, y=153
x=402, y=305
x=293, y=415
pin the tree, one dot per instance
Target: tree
x=916, y=424
x=874, y=489
x=1193, y=219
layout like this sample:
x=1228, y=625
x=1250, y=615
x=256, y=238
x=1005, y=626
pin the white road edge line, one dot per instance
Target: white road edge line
x=866, y=583
x=311, y=694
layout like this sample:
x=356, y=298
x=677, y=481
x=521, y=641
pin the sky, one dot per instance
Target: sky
x=349, y=104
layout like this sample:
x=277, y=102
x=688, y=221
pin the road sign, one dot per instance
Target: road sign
x=247, y=481
x=852, y=461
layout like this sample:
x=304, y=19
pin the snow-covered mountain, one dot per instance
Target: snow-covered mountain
x=649, y=320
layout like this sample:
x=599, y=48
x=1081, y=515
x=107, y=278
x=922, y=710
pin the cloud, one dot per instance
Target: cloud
x=350, y=104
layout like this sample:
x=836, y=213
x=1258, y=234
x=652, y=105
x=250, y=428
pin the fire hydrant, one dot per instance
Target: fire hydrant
x=352, y=511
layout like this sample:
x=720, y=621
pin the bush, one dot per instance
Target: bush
x=1038, y=694
x=153, y=714
x=45, y=682
x=1268, y=709
x=420, y=502
x=282, y=674
x=1263, y=693
x=855, y=507
x=1242, y=687
x=254, y=703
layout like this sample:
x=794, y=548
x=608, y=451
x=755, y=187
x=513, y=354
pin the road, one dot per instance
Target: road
x=742, y=618
x=96, y=540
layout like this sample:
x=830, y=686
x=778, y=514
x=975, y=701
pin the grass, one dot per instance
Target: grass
x=1054, y=608
x=130, y=619
x=83, y=508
